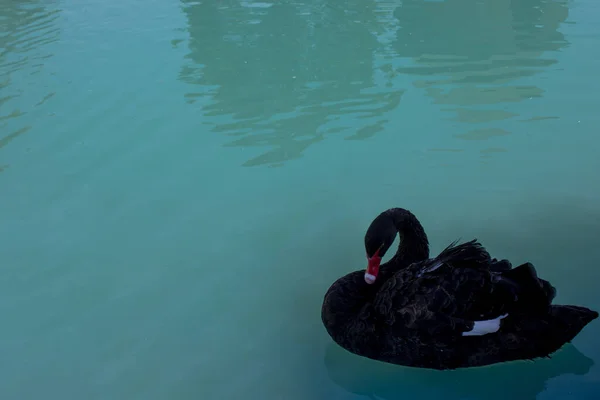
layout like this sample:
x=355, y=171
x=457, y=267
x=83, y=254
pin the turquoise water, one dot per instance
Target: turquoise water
x=182, y=181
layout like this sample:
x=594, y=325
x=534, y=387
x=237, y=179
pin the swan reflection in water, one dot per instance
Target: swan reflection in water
x=521, y=380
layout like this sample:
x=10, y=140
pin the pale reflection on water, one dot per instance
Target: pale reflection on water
x=343, y=68
x=305, y=80
x=473, y=52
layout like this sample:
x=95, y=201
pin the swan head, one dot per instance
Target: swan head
x=378, y=240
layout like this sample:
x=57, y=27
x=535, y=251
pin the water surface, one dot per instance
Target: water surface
x=181, y=181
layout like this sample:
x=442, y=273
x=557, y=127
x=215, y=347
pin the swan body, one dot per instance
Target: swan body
x=459, y=309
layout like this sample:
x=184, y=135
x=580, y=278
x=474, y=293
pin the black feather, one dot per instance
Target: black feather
x=417, y=310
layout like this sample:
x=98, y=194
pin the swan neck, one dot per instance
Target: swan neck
x=414, y=244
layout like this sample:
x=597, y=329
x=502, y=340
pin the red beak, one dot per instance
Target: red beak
x=372, y=269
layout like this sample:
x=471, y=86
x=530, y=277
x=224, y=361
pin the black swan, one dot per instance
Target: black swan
x=459, y=309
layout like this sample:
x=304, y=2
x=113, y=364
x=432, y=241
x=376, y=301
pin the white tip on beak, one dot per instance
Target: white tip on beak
x=369, y=278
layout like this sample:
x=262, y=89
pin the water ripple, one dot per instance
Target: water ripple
x=337, y=68
x=28, y=27
x=282, y=88
x=515, y=41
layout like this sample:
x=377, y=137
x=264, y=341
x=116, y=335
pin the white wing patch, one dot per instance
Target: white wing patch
x=484, y=327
